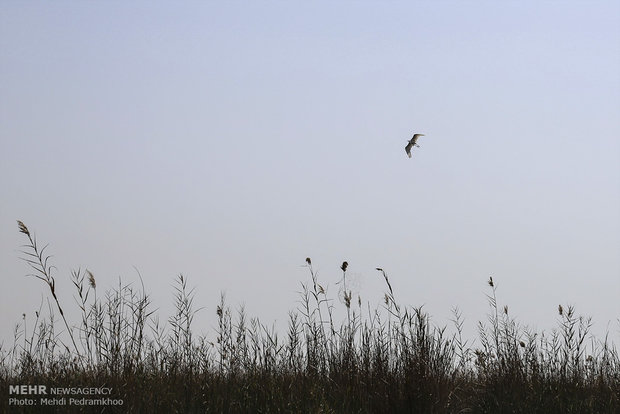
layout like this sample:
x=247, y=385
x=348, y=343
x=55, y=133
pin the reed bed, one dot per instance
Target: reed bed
x=390, y=358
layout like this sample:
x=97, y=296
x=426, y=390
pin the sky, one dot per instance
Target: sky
x=228, y=141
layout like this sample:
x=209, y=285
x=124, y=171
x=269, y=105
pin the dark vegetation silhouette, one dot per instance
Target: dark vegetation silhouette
x=393, y=359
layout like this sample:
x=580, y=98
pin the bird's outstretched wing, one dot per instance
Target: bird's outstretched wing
x=408, y=149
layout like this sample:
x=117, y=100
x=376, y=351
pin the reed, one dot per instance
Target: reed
x=392, y=360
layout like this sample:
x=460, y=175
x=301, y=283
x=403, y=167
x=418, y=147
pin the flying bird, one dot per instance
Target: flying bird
x=412, y=143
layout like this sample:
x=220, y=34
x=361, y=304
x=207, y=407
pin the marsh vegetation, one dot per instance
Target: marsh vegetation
x=390, y=358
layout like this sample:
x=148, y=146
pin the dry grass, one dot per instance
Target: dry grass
x=393, y=360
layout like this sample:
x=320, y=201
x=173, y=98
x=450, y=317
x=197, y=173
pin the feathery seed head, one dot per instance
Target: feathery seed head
x=23, y=228
x=91, y=279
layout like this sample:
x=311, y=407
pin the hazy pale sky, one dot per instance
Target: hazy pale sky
x=228, y=141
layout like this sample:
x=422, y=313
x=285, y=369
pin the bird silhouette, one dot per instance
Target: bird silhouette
x=412, y=143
